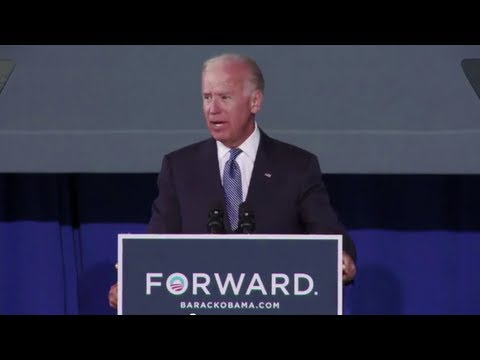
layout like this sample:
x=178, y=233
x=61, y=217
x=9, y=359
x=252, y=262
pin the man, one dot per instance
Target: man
x=281, y=183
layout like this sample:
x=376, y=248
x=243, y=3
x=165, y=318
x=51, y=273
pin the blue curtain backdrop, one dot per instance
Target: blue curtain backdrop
x=418, y=240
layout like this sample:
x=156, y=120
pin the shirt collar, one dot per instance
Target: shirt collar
x=249, y=146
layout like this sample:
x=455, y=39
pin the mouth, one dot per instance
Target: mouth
x=218, y=124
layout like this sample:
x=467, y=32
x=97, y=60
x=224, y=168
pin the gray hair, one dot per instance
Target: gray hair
x=256, y=75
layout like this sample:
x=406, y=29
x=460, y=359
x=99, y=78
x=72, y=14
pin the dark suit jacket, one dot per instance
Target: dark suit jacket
x=293, y=200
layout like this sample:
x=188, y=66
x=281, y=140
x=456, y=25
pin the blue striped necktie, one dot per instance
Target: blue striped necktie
x=232, y=186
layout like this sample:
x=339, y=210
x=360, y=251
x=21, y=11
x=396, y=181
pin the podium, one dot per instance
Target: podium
x=229, y=274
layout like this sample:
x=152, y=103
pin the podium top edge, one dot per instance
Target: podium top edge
x=338, y=237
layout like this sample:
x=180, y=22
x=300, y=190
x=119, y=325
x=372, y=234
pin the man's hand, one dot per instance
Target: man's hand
x=113, y=296
x=349, y=269
x=113, y=293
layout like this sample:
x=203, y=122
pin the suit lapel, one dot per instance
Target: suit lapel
x=260, y=182
x=211, y=173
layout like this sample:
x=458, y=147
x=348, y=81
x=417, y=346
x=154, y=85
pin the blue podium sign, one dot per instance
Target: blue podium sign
x=230, y=274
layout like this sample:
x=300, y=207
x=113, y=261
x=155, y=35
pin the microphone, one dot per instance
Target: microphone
x=215, y=223
x=246, y=219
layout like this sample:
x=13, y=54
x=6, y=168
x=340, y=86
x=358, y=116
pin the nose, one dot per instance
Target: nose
x=214, y=108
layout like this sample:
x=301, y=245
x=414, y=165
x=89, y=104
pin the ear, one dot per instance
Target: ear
x=256, y=100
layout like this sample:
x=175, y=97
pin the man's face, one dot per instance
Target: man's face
x=229, y=103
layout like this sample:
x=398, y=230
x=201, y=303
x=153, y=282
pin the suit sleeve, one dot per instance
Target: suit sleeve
x=316, y=212
x=165, y=217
